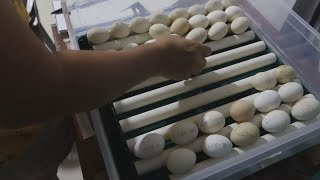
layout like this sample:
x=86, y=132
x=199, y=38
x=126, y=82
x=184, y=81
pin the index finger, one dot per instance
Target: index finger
x=205, y=50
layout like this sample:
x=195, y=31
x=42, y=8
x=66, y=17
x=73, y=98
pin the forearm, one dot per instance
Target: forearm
x=93, y=78
x=36, y=84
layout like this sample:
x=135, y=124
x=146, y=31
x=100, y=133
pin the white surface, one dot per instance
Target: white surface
x=70, y=168
x=44, y=9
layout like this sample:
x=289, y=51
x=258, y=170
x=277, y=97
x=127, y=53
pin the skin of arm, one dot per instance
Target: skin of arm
x=36, y=84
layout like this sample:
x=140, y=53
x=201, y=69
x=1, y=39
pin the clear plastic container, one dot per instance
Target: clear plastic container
x=291, y=38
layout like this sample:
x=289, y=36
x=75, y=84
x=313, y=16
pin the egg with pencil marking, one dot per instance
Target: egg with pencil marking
x=149, y=146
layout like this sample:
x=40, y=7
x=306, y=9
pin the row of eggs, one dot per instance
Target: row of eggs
x=271, y=118
x=215, y=145
x=180, y=23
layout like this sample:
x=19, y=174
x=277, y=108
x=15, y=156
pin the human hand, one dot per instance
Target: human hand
x=179, y=58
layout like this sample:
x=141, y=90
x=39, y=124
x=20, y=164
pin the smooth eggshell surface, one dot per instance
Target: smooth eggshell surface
x=267, y=101
x=226, y=131
x=233, y=12
x=285, y=74
x=197, y=9
x=240, y=25
x=263, y=81
x=179, y=13
x=242, y=111
x=158, y=31
x=214, y=5
x=211, y=122
x=183, y=133
x=119, y=30
x=218, y=31
x=257, y=119
x=308, y=96
x=140, y=25
x=180, y=26
x=217, y=146
x=149, y=146
x=199, y=20
x=245, y=134
x=150, y=41
x=198, y=35
x=131, y=45
x=160, y=18
x=98, y=35
x=290, y=92
x=306, y=109
x=276, y=121
x=181, y=161
x=227, y=3
x=217, y=16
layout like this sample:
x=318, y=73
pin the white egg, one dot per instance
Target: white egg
x=160, y=18
x=257, y=119
x=267, y=101
x=218, y=31
x=211, y=122
x=308, y=96
x=245, y=134
x=195, y=146
x=290, y=92
x=179, y=13
x=149, y=146
x=213, y=5
x=98, y=35
x=263, y=81
x=199, y=20
x=217, y=146
x=119, y=30
x=150, y=41
x=286, y=108
x=180, y=26
x=131, y=45
x=198, y=35
x=197, y=9
x=233, y=12
x=227, y=3
x=306, y=109
x=111, y=50
x=181, y=161
x=226, y=131
x=140, y=25
x=217, y=16
x=240, y=25
x=158, y=31
x=276, y=121
x=285, y=73
x=242, y=111
x=183, y=133
x=276, y=88
x=297, y=81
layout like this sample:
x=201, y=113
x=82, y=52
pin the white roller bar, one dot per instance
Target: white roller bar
x=214, y=45
x=149, y=82
x=164, y=131
x=233, y=54
x=231, y=41
x=180, y=87
x=190, y=103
